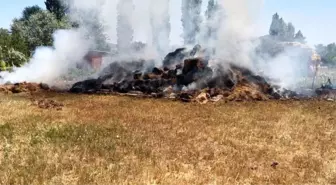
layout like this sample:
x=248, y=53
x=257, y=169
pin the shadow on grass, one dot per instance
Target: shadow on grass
x=6, y=131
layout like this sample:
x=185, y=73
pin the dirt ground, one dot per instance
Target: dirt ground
x=49, y=138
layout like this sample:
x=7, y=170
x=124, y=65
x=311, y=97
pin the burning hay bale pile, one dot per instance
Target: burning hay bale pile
x=187, y=77
x=23, y=87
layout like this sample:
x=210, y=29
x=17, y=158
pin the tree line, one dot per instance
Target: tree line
x=282, y=31
x=33, y=28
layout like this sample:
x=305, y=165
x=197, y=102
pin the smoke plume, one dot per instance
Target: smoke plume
x=48, y=63
x=237, y=30
x=115, y=25
x=124, y=27
x=160, y=23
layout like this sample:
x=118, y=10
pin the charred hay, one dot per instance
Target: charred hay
x=189, y=80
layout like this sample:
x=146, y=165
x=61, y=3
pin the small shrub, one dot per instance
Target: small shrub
x=10, y=57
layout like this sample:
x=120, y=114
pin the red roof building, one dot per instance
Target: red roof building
x=95, y=58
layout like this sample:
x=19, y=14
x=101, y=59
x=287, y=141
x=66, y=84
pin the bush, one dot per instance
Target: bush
x=3, y=66
x=9, y=57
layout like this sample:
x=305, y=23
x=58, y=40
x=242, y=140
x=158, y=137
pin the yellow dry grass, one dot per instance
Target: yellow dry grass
x=122, y=140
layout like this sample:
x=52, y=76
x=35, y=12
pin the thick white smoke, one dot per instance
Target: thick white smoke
x=291, y=66
x=69, y=47
x=48, y=63
x=238, y=39
x=160, y=24
x=125, y=30
x=141, y=22
x=284, y=68
x=237, y=30
x=97, y=31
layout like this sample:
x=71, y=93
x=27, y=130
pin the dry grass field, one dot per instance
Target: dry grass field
x=121, y=140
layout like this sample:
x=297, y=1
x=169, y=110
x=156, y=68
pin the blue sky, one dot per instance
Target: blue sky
x=10, y=9
x=314, y=17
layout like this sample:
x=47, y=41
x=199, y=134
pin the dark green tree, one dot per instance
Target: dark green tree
x=20, y=44
x=56, y=7
x=9, y=56
x=30, y=10
x=5, y=37
x=38, y=29
x=14, y=41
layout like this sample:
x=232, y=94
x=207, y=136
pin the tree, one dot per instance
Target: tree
x=13, y=41
x=38, y=29
x=9, y=57
x=56, y=7
x=30, y=10
x=278, y=28
x=282, y=32
x=320, y=49
x=299, y=37
x=5, y=37
x=290, y=32
x=275, y=25
x=327, y=53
